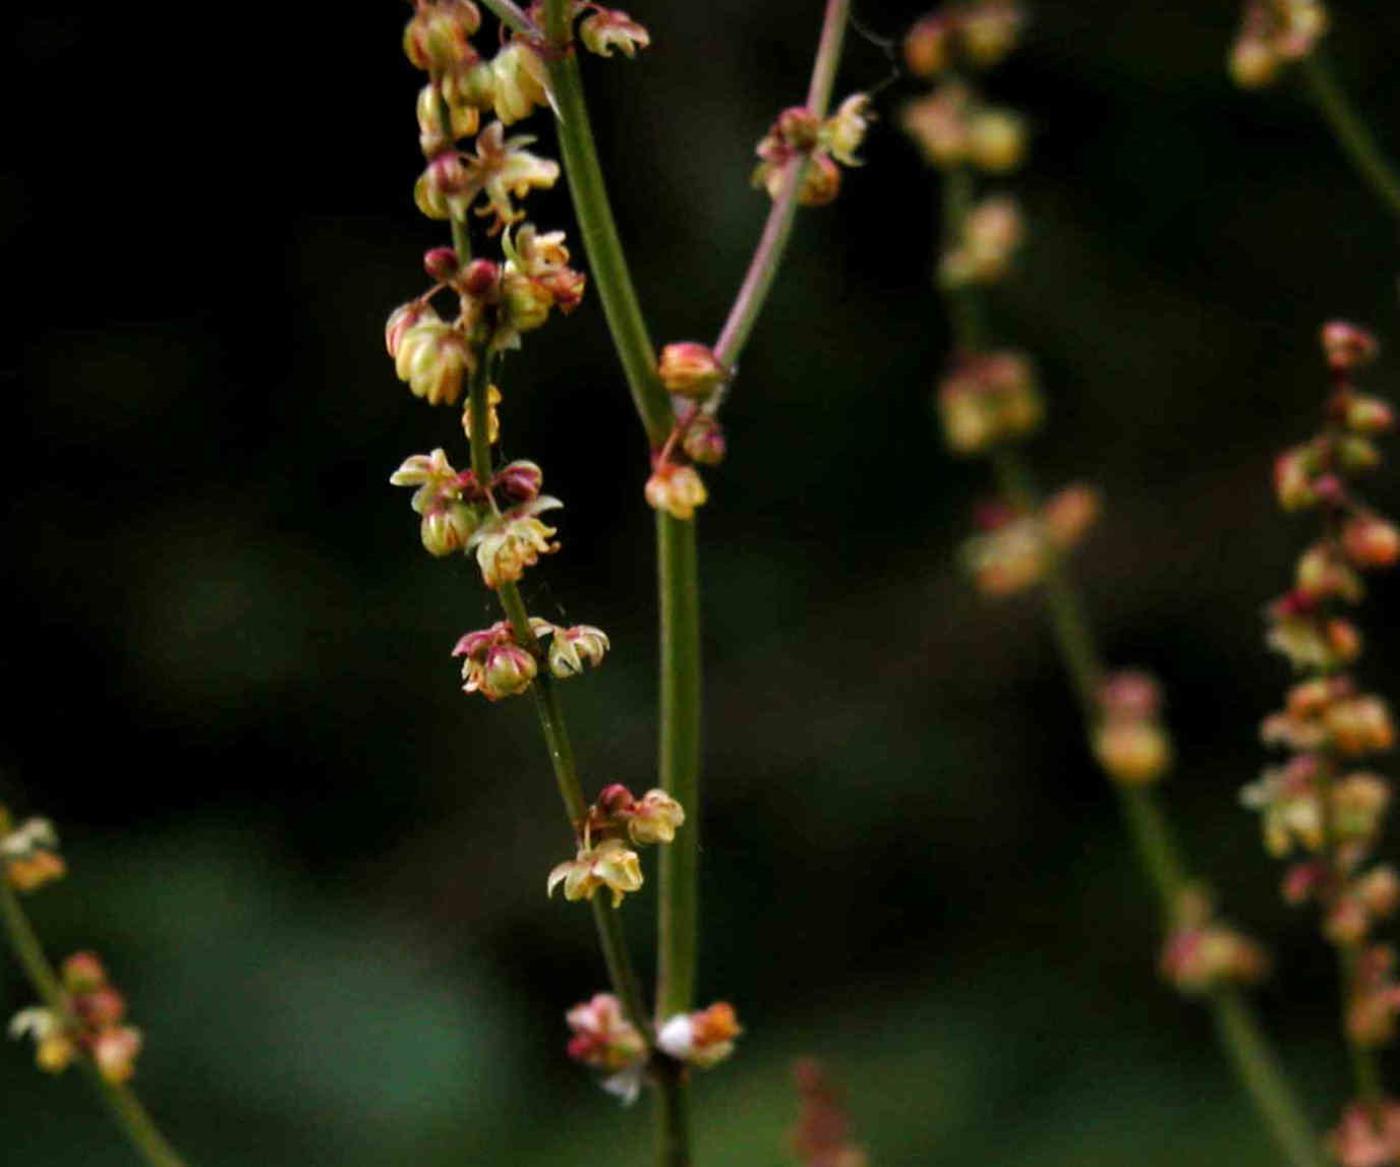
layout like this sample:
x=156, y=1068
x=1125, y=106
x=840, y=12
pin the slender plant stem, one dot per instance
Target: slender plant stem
x=611, y=275
x=677, y=555
x=777, y=230
x=127, y=1110
x=672, y=1114
x=551, y=718
x=1154, y=842
x=510, y=15
x=1257, y=1067
x=678, y=921
x=1352, y=133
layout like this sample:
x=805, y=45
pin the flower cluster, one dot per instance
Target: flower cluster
x=987, y=399
x=495, y=663
x=29, y=856
x=604, y=859
x=1201, y=953
x=1325, y=805
x=952, y=127
x=604, y=1040
x=1014, y=550
x=1274, y=33
x=973, y=35
x=1130, y=741
x=1368, y=1135
x=983, y=249
x=822, y=1136
x=89, y=1024
x=799, y=136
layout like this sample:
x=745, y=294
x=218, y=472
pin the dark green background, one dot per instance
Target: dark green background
x=319, y=869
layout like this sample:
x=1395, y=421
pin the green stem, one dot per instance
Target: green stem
x=1257, y=1066
x=777, y=230
x=677, y=555
x=551, y=718
x=133, y=1118
x=1154, y=843
x=611, y=275
x=672, y=1114
x=1352, y=133
x=679, y=761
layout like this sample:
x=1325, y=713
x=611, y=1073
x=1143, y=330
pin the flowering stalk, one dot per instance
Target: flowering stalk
x=987, y=403
x=1274, y=34
x=1324, y=800
x=698, y=376
x=107, y=1055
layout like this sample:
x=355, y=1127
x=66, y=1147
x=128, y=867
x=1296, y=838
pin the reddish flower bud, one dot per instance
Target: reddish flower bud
x=926, y=47
x=1131, y=695
x=704, y=440
x=437, y=38
x=615, y=800
x=481, y=277
x=1302, y=881
x=519, y=481
x=1347, y=346
x=440, y=263
x=83, y=972
x=798, y=127
x=1370, y=415
x=821, y=182
x=114, y=1053
x=1367, y=1136
x=100, y=1008
x=691, y=369
x=1379, y=890
x=1370, y=542
x=404, y=317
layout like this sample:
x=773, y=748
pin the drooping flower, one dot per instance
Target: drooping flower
x=610, y=864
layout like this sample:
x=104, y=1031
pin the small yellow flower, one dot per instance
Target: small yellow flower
x=610, y=864
x=677, y=490
x=654, y=817
x=572, y=648
x=845, y=130
x=503, y=170
x=611, y=28
x=54, y=1049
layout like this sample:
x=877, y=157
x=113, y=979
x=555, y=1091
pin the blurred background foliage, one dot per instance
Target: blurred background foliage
x=319, y=870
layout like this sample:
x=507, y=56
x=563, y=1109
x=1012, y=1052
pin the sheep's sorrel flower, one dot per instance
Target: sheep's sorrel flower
x=1324, y=801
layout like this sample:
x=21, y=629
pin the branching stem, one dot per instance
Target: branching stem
x=1352, y=133
x=126, y=1108
x=1154, y=842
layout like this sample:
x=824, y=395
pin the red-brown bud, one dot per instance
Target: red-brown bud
x=1371, y=542
x=1347, y=346
x=615, y=800
x=926, y=47
x=101, y=1008
x=798, y=127
x=1369, y=415
x=83, y=972
x=690, y=369
x=481, y=277
x=704, y=440
x=519, y=481
x=440, y=263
